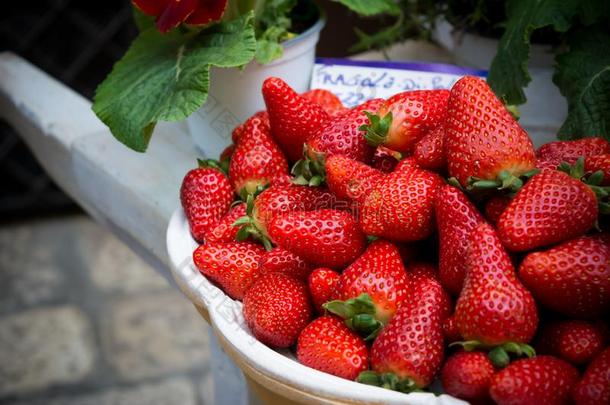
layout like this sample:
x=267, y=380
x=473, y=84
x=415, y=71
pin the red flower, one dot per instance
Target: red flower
x=171, y=13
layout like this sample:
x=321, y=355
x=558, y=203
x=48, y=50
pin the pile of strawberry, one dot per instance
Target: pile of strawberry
x=416, y=237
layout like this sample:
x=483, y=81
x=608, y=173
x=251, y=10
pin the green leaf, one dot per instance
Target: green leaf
x=371, y=7
x=508, y=74
x=583, y=77
x=166, y=77
x=273, y=27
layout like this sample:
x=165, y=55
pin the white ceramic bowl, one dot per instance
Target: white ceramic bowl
x=280, y=366
x=235, y=94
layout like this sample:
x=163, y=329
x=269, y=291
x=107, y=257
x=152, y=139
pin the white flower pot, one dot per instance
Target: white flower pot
x=546, y=108
x=235, y=94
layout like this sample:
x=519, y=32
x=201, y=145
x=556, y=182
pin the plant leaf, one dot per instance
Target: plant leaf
x=508, y=74
x=371, y=7
x=166, y=77
x=583, y=77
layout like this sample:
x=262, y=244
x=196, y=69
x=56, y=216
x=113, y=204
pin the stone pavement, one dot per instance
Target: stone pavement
x=85, y=321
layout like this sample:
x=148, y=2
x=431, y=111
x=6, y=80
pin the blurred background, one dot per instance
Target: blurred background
x=82, y=319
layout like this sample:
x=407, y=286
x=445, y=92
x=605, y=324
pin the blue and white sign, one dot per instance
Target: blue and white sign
x=355, y=81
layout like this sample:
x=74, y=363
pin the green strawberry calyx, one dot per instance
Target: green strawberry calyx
x=248, y=228
x=387, y=380
x=376, y=131
x=505, y=182
x=359, y=315
x=593, y=180
x=310, y=170
x=212, y=164
x=500, y=355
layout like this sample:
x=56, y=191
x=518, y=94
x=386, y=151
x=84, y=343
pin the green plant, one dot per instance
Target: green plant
x=577, y=30
x=165, y=74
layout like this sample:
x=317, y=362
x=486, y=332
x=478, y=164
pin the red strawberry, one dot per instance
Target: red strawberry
x=572, y=278
x=468, y=375
x=385, y=160
x=206, y=196
x=379, y=272
x=328, y=238
x=482, y=139
x=599, y=162
x=551, y=208
x=276, y=309
x=232, y=265
x=554, y=153
x=257, y=160
x=224, y=231
x=411, y=345
x=327, y=345
x=574, y=341
x=540, y=380
x=342, y=135
x=350, y=179
x=494, y=207
x=456, y=218
x=322, y=284
x=401, y=205
x=282, y=261
x=293, y=118
x=239, y=130
x=493, y=307
x=327, y=100
x=418, y=272
x=285, y=198
x=429, y=150
x=407, y=117
x=594, y=387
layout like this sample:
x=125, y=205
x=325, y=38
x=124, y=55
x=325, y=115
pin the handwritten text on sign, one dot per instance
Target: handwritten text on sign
x=357, y=81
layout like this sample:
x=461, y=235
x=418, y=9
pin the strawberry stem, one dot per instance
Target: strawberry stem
x=376, y=131
x=387, y=380
x=309, y=172
x=359, y=315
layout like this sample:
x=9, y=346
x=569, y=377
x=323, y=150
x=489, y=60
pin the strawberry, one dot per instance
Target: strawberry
x=378, y=273
x=405, y=118
x=456, y=218
x=350, y=179
x=293, y=118
x=494, y=207
x=594, y=387
x=328, y=238
x=385, y=160
x=401, y=205
x=572, y=278
x=342, y=135
x=276, y=309
x=418, y=272
x=239, y=130
x=322, y=283
x=327, y=100
x=257, y=161
x=540, y=380
x=206, y=196
x=554, y=153
x=327, y=345
x=410, y=347
x=574, y=341
x=225, y=231
x=468, y=375
x=429, y=151
x=286, y=198
x=484, y=144
x=552, y=207
x=599, y=163
x=232, y=265
x=282, y=261
x=494, y=308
